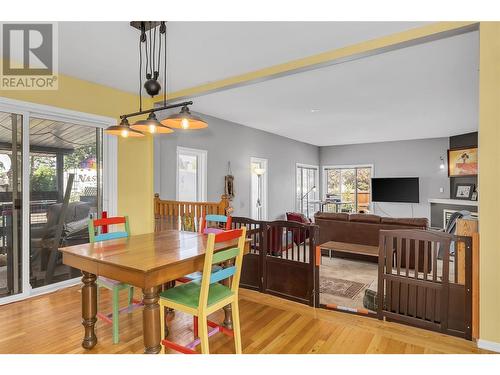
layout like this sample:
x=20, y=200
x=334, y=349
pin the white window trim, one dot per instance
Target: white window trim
x=110, y=176
x=202, y=186
x=316, y=181
x=265, y=165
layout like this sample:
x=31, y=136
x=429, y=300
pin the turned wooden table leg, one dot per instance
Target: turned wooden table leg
x=151, y=320
x=89, y=309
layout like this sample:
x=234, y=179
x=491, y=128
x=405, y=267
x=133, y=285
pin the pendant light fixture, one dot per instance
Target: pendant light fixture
x=184, y=120
x=151, y=125
x=123, y=130
x=151, y=37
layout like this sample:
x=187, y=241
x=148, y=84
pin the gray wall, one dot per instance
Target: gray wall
x=226, y=141
x=415, y=158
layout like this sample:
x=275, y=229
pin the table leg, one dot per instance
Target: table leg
x=89, y=309
x=228, y=315
x=151, y=320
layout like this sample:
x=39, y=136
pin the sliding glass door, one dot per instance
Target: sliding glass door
x=65, y=192
x=347, y=188
x=10, y=204
x=51, y=184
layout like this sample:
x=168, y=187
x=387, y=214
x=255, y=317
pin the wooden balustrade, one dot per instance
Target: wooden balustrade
x=168, y=213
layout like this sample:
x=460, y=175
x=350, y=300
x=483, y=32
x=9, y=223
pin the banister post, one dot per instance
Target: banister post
x=224, y=204
x=157, y=205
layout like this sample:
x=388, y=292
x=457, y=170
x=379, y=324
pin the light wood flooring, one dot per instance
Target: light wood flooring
x=51, y=324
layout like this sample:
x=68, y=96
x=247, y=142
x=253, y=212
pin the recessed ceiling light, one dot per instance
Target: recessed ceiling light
x=315, y=110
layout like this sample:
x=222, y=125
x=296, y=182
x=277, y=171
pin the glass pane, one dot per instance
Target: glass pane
x=256, y=192
x=188, y=181
x=364, y=183
x=333, y=182
x=10, y=204
x=348, y=186
x=57, y=151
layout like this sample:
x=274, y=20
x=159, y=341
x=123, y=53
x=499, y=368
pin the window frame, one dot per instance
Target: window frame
x=317, y=193
x=324, y=177
x=201, y=171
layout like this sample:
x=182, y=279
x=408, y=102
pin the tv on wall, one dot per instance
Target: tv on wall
x=398, y=189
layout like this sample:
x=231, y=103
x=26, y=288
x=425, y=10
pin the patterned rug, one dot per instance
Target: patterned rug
x=340, y=288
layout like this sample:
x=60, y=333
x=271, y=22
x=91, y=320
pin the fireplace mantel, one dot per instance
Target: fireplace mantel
x=455, y=202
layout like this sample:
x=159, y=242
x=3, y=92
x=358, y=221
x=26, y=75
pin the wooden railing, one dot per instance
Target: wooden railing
x=175, y=214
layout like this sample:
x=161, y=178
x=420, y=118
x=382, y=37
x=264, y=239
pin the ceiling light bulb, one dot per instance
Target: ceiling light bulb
x=441, y=166
x=185, y=123
x=124, y=133
x=152, y=129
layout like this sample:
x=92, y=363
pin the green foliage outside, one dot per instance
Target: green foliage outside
x=342, y=182
x=72, y=161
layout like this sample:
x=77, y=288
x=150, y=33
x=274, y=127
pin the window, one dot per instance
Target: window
x=258, y=188
x=191, y=175
x=307, y=196
x=348, y=188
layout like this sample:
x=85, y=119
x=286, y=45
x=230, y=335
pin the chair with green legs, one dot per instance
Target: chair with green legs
x=101, y=225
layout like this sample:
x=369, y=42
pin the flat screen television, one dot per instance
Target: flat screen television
x=397, y=189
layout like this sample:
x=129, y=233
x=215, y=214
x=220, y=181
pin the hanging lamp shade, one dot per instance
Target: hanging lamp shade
x=123, y=130
x=184, y=120
x=151, y=125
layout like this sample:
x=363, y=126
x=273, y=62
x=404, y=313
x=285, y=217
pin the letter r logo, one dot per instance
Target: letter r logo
x=28, y=49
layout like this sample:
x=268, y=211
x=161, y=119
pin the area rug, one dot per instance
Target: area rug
x=340, y=288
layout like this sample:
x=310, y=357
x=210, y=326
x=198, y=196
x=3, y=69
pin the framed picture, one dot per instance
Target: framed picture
x=464, y=191
x=462, y=162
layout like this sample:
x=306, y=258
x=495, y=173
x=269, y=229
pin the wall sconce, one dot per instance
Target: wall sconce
x=442, y=165
x=259, y=171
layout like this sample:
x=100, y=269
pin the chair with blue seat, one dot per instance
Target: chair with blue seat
x=201, y=298
x=101, y=226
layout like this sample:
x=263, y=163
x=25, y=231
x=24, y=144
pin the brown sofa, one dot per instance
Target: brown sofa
x=361, y=229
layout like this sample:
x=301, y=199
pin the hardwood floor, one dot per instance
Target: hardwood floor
x=51, y=324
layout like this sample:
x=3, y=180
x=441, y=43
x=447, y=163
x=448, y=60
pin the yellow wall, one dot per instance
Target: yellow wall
x=135, y=156
x=489, y=180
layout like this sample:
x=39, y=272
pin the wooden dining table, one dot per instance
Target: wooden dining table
x=147, y=261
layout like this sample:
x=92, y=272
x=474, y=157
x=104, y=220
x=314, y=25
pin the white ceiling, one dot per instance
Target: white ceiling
x=430, y=90
x=200, y=52
x=424, y=91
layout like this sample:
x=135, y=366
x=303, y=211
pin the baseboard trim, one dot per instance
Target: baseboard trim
x=489, y=345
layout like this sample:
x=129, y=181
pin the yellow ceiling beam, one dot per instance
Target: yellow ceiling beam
x=379, y=45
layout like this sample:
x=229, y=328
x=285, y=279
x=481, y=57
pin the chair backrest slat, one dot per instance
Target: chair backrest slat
x=109, y=221
x=222, y=274
x=110, y=236
x=224, y=255
x=217, y=218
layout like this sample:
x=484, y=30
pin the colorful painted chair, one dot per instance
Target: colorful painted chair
x=215, y=219
x=201, y=298
x=114, y=286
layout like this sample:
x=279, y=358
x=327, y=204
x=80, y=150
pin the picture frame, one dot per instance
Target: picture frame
x=462, y=162
x=464, y=191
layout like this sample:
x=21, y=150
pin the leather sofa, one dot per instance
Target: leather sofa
x=363, y=229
